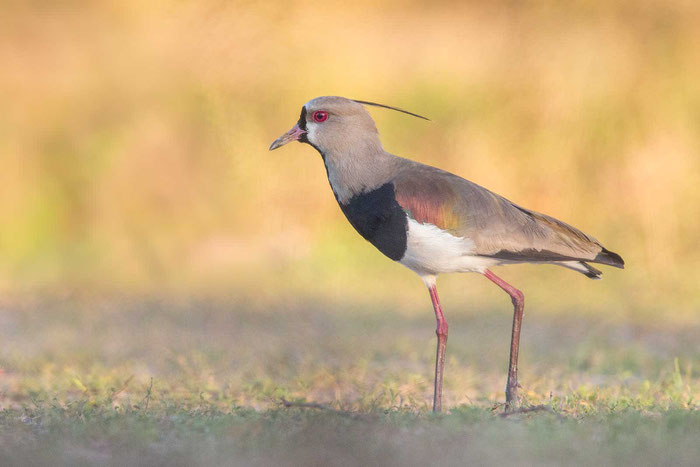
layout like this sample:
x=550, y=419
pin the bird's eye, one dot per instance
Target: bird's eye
x=320, y=116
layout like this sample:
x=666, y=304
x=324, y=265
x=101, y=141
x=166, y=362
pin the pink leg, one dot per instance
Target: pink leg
x=518, y=300
x=441, y=332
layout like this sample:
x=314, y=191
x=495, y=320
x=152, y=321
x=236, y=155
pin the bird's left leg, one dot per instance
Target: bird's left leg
x=441, y=332
x=518, y=300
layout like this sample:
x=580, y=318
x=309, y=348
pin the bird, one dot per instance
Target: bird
x=432, y=221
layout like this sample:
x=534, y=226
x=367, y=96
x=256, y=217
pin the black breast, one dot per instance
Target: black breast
x=379, y=219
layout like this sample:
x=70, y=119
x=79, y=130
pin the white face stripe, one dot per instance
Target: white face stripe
x=311, y=128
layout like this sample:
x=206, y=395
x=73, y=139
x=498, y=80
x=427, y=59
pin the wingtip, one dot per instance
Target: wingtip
x=610, y=258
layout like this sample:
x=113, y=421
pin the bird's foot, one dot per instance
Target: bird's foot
x=512, y=397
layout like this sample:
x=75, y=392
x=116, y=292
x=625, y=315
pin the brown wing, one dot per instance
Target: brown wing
x=427, y=198
x=498, y=227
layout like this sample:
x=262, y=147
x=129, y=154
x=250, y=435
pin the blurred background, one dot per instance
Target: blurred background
x=134, y=136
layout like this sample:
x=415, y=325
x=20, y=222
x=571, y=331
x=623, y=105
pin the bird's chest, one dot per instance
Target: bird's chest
x=377, y=216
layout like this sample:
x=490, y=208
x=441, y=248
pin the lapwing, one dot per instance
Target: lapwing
x=433, y=221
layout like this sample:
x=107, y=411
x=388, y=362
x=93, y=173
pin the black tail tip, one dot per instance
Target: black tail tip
x=610, y=258
x=591, y=272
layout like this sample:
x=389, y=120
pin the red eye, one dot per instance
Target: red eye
x=320, y=116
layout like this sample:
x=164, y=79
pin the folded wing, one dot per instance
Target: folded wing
x=499, y=228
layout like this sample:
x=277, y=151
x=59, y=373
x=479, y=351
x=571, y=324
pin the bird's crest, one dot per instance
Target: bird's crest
x=391, y=108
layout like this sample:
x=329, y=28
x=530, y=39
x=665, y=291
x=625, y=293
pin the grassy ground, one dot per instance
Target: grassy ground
x=147, y=382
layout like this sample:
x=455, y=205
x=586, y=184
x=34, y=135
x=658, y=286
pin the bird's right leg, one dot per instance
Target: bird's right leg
x=518, y=300
x=441, y=332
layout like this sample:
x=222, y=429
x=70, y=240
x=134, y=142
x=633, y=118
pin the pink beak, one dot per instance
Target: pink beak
x=292, y=135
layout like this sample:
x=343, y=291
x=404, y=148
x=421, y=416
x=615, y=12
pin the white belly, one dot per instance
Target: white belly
x=431, y=251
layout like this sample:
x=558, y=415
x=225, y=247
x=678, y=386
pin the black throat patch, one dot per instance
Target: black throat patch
x=304, y=138
x=377, y=216
x=302, y=124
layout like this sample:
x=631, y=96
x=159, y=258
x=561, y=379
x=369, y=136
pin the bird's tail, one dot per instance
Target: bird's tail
x=582, y=267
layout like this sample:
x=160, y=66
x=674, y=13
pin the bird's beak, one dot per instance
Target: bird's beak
x=292, y=135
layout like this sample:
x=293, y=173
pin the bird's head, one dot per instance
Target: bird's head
x=334, y=124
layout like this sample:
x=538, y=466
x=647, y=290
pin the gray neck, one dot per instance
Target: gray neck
x=358, y=170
